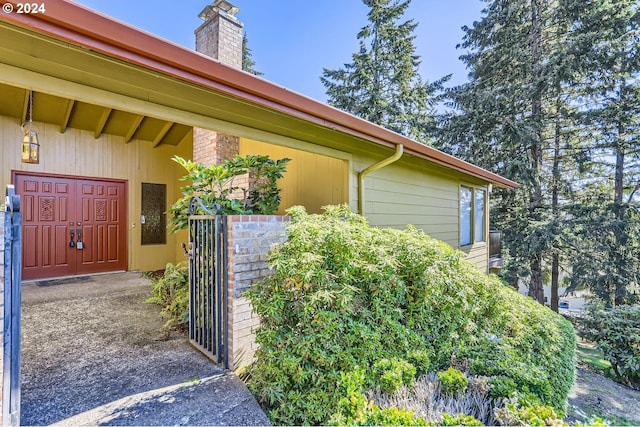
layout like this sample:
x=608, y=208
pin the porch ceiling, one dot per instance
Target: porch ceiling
x=69, y=113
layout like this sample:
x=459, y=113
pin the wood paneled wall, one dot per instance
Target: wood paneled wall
x=78, y=153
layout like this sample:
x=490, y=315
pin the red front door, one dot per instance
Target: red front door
x=71, y=225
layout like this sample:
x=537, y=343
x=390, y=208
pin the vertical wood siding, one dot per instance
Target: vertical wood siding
x=312, y=180
x=78, y=153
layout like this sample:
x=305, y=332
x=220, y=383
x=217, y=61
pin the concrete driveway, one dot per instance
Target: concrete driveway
x=93, y=354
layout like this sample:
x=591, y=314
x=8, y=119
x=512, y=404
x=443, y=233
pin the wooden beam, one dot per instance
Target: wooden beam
x=134, y=127
x=165, y=129
x=25, y=107
x=67, y=115
x=102, y=122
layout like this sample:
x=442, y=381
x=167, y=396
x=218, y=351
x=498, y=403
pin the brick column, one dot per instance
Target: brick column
x=220, y=37
x=250, y=238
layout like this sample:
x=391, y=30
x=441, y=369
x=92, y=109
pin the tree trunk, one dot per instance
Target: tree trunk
x=620, y=286
x=555, y=261
x=619, y=178
x=555, y=274
x=536, y=289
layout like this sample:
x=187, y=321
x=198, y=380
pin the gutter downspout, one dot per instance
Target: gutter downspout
x=386, y=162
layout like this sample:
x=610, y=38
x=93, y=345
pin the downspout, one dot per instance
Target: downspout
x=386, y=162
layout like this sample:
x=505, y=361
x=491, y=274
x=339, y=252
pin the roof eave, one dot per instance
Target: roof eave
x=81, y=26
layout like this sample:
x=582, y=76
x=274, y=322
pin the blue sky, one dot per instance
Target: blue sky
x=292, y=40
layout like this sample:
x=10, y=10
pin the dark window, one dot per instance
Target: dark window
x=154, y=220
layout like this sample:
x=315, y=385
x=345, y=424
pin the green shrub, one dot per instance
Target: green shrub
x=171, y=291
x=394, y=373
x=502, y=387
x=616, y=331
x=459, y=420
x=452, y=381
x=355, y=410
x=516, y=414
x=217, y=188
x=344, y=294
x=421, y=360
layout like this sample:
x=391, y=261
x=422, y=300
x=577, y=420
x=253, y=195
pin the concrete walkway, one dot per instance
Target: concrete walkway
x=94, y=354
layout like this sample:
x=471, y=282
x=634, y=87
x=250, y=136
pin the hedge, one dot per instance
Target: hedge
x=345, y=295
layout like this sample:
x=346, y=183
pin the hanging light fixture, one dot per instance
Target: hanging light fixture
x=30, y=144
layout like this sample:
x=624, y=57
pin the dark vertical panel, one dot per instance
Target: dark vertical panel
x=154, y=205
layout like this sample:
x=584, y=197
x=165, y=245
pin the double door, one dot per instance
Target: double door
x=71, y=225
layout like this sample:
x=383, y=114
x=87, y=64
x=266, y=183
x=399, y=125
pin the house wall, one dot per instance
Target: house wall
x=409, y=191
x=312, y=179
x=78, y=153
x=403, y=193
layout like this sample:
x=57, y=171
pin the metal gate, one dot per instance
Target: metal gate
x=208, y=293
x=12, y=297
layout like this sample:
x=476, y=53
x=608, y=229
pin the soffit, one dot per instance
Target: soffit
x=50, y=57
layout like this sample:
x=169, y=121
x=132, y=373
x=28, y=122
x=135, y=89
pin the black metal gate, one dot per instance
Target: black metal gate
x=208, y=293
x=12, y=306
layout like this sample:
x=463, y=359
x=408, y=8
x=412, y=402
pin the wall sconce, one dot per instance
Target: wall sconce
x=30, y=144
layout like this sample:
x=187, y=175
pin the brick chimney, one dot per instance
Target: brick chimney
x=220, y=37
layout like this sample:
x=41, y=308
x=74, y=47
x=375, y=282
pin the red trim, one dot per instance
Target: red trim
x=84, y=27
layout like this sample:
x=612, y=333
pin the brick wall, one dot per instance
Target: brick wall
x=250, y=237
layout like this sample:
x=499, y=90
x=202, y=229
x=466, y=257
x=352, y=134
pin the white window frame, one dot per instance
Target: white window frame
x=471, y=234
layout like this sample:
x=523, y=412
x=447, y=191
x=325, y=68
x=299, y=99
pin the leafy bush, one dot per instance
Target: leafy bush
x=355, y=410
x=219, y=189
x=344, y=294
x=452, y=381
x=421, y=360
x=171, y=291
x=460, y=420
x=616, y=331
x=393, y=374
x=515, y=414
x=502, y=387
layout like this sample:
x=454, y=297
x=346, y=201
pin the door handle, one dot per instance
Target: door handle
x=79, y=244
x=72, y=244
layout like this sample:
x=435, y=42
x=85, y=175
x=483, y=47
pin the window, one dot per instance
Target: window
x=472, y=215
x=478, y=210
x=153, y=220
x=465, y=215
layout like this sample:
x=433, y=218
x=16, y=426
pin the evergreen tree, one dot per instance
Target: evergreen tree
x=248, y=63
x=506, y=121
x=553, y=104
x=382, y=84
x=605, y=47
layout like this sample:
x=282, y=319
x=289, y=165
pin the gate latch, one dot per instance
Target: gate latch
x=187, y=252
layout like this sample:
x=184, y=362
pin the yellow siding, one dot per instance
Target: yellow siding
x=78, y=153
x=312, y=180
